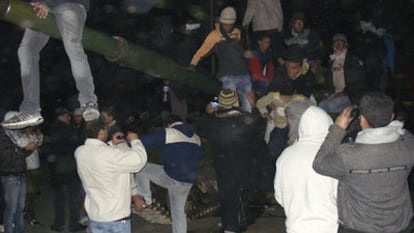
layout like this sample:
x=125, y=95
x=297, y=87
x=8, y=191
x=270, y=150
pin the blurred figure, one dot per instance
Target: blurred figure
x=373, y=193
x=346, y=81
x=63, y=141
x=26, y=137
x=13, y=179
x=266, y=17
x=261, y=66
x=231, y=133
x=224, y=41
x=296, y=72
x=308, y=199
x=300, y=39
x=108, y=117
x=180, y=154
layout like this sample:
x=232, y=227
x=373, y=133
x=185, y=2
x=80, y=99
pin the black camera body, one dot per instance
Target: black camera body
x=354, y=113
x=121, y=137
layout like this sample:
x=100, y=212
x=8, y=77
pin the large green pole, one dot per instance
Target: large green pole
x=115, y=49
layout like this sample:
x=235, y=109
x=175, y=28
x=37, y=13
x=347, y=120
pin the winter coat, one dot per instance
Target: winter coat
x=309, y=199
x=228, y=50
x=373, y=193
x=12, y=158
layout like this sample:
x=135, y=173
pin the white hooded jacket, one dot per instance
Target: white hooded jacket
x=308, y=199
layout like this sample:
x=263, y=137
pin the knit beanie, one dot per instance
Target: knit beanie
x=339, y=36
x=228, y=99
x=228, y=15
x=377, y=108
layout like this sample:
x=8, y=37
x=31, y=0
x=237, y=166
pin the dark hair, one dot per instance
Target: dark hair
x=110, y=110
x=265, y=35
x=92, y=128
x=377, y=108
x=287, y=88
x=172, y=118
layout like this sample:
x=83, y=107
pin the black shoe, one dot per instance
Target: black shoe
x=56, y=228
x=77, y=228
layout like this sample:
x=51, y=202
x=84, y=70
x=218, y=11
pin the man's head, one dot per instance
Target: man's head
x=339, y=42
x=228, y=18
x=264, y=42
x=96, y=129
x=171, y=119
x=376, y=110
x=228, y=99
x=77, y=116
x=108, y=114
x=294, y=62
x=63, y=114
x=298, y=22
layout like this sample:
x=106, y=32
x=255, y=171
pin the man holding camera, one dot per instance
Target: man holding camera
x=106, y=174
x=373, y=193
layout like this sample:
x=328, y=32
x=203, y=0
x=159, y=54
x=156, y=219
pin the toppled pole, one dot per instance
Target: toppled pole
x=115, y=49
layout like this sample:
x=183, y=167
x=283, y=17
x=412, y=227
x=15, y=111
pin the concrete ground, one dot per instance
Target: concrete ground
x=264, y=224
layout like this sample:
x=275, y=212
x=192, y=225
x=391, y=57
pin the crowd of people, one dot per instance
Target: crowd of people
x=270, y=111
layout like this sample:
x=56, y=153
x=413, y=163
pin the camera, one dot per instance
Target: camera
x=354, y=113
x=121, y=137
x=214, y=103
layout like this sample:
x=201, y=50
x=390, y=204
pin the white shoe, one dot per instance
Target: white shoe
x=90, y=111
x=1, y=228
x=22, y=120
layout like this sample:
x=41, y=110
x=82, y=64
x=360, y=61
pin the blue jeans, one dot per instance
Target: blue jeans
x=14, y=188
x=243, y=85
x=177, y=191
x=123, y=226
x=70, y=19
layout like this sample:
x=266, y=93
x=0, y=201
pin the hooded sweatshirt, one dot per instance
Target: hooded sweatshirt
x=308, y=199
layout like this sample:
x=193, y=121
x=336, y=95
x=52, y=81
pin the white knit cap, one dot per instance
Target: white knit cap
x=228, y=15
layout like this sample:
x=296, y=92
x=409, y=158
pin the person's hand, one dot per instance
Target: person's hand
x=344, y=119
x=191, y=68
x=31, y=146
x=118, y=138
x=273, y=106
x=251, y=97
x=268, y=117
x=210, y=109
x=139, y=203
x=132, y=136
x=42, y=9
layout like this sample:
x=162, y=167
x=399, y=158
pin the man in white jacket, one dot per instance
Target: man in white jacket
x=105, y=172
x=308, y=199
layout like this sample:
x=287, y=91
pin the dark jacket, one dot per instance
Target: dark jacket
x=228, y=50
x=180, y=151
x=355, y=80
x=304, y=84
x=373, y=194
x=305, y=43
x=12, y=158
x=63, y=141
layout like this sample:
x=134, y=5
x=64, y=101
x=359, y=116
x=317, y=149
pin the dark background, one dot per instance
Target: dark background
x=158, y=25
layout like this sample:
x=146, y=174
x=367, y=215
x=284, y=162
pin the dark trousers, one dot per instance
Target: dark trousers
x=67, y=189
x=232, y=171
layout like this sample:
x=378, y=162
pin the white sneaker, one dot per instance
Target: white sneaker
x=22, y=120
x=90, y=111
x=1, y=228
